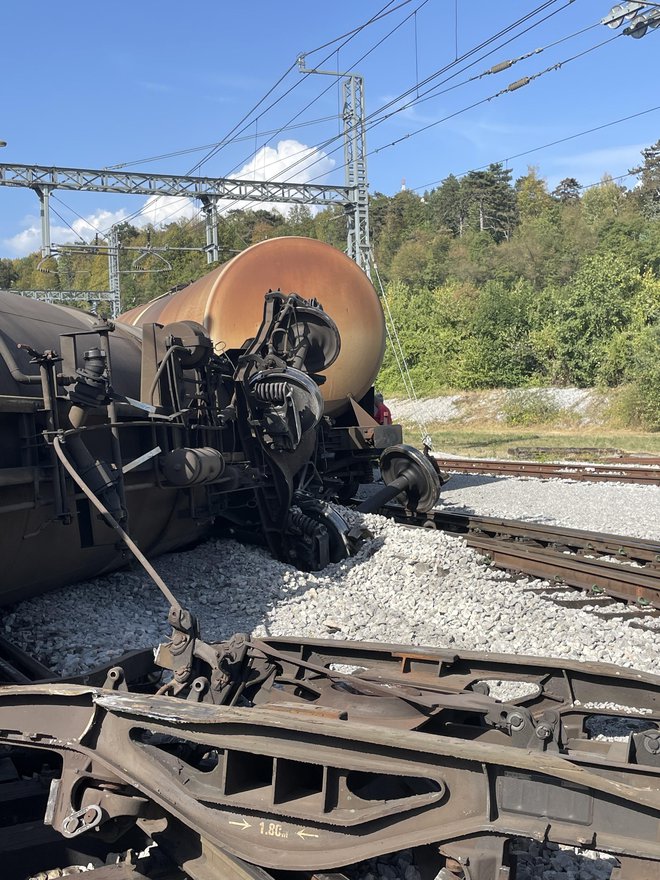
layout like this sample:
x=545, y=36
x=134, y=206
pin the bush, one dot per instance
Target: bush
x=522, y=408
x=638, y=403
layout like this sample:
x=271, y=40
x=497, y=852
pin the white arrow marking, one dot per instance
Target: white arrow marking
x=303, y=834
x=242, y=824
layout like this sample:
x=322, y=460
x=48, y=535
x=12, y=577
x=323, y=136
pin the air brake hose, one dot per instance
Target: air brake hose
x=103, y=510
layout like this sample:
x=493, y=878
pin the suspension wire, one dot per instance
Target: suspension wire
x=321, y=146
x=79, y=216
x=227, y=138
x=235, y=140
x=305, y=151
x=298, y=82
x=327, y=89
x=356, y=30
x=433, y=92
x=77, y=234
x=466, y=55
x=509, y=89
x=317, y=148
x=569, y=137
x=329, y=141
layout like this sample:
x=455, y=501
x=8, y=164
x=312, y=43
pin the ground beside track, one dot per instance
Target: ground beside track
x=492, y=423
x=405, y=585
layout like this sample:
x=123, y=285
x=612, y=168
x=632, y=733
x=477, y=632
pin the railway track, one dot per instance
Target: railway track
x=277, y=789
x=610, y=473
x=567, y=558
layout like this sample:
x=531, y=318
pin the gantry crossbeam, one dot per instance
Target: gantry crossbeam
x=134, y=183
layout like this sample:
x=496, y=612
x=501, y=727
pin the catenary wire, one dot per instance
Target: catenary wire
x=321, y=146
x=228, y=207
x=513, y=25
x=554, y=143
x=525, y=18
x=176, y=153
x=247, y=116
x=508, y=89
x=298, y=82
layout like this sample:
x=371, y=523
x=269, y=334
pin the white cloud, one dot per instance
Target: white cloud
x=100, y=221
x=28, y=240
x=590, y=166
x=289, y=160
x=158, y=210
x=611, y=160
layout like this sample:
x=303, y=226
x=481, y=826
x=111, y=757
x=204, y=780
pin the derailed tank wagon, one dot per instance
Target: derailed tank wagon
x=236, y=403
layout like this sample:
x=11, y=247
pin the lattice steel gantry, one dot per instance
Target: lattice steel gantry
x=353, y=196
x=358, y=245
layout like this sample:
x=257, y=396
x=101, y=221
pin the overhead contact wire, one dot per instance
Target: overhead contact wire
x=370, y=125
x=563, y=140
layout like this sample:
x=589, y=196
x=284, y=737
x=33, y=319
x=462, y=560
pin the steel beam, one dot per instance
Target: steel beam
x=39, y=177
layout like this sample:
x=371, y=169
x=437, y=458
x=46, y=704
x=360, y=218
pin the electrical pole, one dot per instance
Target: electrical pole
x=113, y=271
x=358, y=246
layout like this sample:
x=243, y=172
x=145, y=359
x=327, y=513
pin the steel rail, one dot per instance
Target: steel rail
x=619, y=581
x=565, y=470
x=540, y=550
x=18, y=667
x=630, y=549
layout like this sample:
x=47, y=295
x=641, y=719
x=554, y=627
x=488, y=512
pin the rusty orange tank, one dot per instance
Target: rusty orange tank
x=229, y=303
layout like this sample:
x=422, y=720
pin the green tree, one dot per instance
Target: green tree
x=491, y=201
x=8, y=274
x=567, y=190
x=598, y=304
x=603, y=202
x=447, y=206
x=500, y=352
x=648, y=191
x=532, y=196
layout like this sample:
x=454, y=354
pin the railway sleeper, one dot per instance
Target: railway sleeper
x=254, y=759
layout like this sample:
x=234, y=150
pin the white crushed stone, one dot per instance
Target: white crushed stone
x=470, y=406
x=405, y=585
x=620, y=508
x=427, y=409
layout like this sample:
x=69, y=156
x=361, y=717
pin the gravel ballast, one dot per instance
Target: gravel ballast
x=405, y=585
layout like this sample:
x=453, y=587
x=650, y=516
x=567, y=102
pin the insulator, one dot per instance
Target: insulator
x=518, y=84
x=270, y=392
x=498, y=68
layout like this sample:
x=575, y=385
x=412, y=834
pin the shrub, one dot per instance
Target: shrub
x=524, y=407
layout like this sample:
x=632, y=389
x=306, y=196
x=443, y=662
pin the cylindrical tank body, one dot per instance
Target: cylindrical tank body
x=229, y=302
x=40, y=550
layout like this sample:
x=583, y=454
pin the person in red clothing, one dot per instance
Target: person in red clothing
x=382, y=413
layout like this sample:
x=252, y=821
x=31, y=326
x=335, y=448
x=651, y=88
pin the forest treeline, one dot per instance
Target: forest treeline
x=490, y=282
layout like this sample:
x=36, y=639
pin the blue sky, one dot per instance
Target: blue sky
x=96, y=86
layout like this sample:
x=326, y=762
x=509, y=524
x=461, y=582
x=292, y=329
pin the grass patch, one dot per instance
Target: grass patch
x=494, y=441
